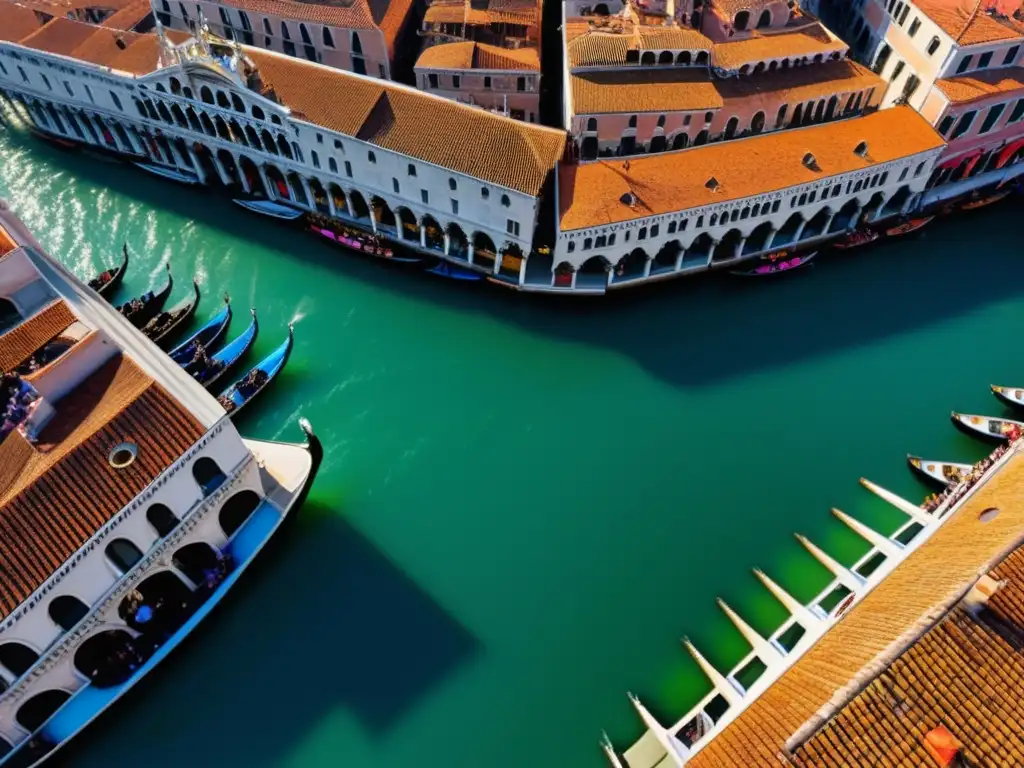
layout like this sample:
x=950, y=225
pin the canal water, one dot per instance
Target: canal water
x=525, y=503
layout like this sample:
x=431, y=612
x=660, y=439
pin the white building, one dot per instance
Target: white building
x=130, y=487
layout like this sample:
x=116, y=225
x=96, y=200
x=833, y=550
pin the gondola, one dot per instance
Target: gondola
x=161, y=329
x=270, y=208
x=908, y=226
x=165, y=172
x=444, y=269
x=988, y=427
x=57, y=141
x=1009, y=395
x=941, y=472
x=777, y=265
x=140, y=311
x=245, y=390
x=856, y=239
x=368, y=244
x=106, y=282
x=981, y=202
x=209, y=335
x=227, y=358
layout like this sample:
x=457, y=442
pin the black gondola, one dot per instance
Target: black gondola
x=259, y=377
x=1011, y=396
x=208, y=335
x=106, y=282
x=225, y=360
x=141, y=310
x=161, y=329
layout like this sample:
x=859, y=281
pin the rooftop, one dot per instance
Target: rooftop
x=464, y=139
x=974, y=22
x=522, y=12
x=19, y=22
x=982, y=84
x=590, y=194
x=471, y=55
x=805, y=42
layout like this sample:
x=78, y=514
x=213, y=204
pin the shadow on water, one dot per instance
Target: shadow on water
x=688, y=332
x=324, y=623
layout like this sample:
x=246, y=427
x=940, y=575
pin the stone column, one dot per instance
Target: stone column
x=497, y=261
x=348, y=205
x=308, y=190
x=331, y=207
x=221, y=170
x=522, y=271
x=268, y=188
x=176, y=158
x=739, y=248
x=200, y=173
x=679, y=259
x=246, y=187
x=828, y=223
x=647, y=267
x=469, y=251
x=799, y=231
x=447, y=243
x=373, y=219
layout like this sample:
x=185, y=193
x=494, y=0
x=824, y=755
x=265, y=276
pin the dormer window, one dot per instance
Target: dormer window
x=861, y=150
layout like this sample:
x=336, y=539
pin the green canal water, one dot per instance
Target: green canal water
x=526, y=503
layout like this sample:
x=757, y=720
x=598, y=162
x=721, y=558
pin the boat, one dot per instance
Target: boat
x=776, y=263
x=162, y=327
x=908, y=226
x=371, y=245
x=209, y=335
x=165, y=172
x=1009, y=395
x=141, y=310
x=227, y=358
x=452, y=272
x=57, y=141
x=270, y=208
x=856, y=239
x=106, y=282
x=981, y=202
x=259, y=377
x=988, y=427
x=942, y=472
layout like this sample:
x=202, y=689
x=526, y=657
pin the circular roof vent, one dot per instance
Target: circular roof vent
x=988, y=515
x=123, y=455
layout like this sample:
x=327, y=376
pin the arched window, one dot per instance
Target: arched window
x=243, y=17
x=237, y=104
x=731, y=127
x=162, y=519
x=780, y=118
x=357, y=47
x=66, y=611
x=328, y=37
x=452, y=185
x=757, y=123
x=206, y=95
x=304, y=34
x=285, y=34
x=257, y=113
x=40, y=708
x=632, y=121
x=207, y=474
x=222, y=100
x=17, y=658
x=123, y=554
x=592, y=124
x=742, y=20
x=933, y=46
x=765, y=20
x=237, y=510
x=505, y=201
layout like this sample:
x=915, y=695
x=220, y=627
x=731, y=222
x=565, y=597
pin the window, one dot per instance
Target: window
x=946, y=124
x=328, y=38
x=395, y=186
x=123, y=554
x=162, y=519
x=357, y=47
x=425, y=196
x=332, y=164
x=486, y=193
x=46, y=82
x=910, y=87
x=487, y=81
x=600, y=241
x=455, y=207
x=456, y=82
x=903, y=175
x=207, y=474
x=371, y=157
x=611, y=239
x=452, y=185
x=338, y=145
x=315, y=158
x=67, y=87
x=512, y=227
x=985, y=60
x=709, y=116
x=933, y=46
x=88, y=92
x=571, y=246
x=412, y=169
x=246, y=27
x=964, y=125
x=642, y=234
x=587, y=243
x=520, y=83
x=919, y=170
x=686, y=119
x=1018, y=111
x=66, y=611
x=965, y=64
x=914, y=26
x=1011, y=55
x=671, y=227
x=348, y=169
x=654, y=230
x=226, y=20
x=896, y=71
x=505, y=201
x=992, y=118
x=432, y=80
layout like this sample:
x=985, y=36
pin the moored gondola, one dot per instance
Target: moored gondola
x=106, y=282
x=371, y=245
x=270, y=208
x=209, y=335
x=141, y=310
x=941, y=472
x=856, y=239
x=259, y=377
x=1012, y=396
x=908, y=226
x=161, y=329
x=452, y=272
x=782, y=262
x=988, y=427
x=209, y=370
x=981, y=202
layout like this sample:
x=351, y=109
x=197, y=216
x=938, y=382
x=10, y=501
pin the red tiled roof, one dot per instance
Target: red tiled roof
x=60, y=36
x=56, y=494
x=982, y=84
x=972, y=22
x=18, y=22
x=128, y=17
x=355, y=14
x=18, y=344
x=471, y=55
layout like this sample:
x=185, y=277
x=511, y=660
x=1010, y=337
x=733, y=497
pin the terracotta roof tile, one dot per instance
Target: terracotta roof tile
x=56, y=494
x=465, y=139
x=351, y=15
x=102, y=48
x=471, y=55
x=395, y=19
x=890, y=617
x=633, y=91
x=800, y=84
x=673, y=38
x=808, y=41
x=18, y=344
x=970, y=23
x=7, y=243
x=19, y=22
x=60, y=36
x=598, y=49
x=459, y=13
x=129, y=17
x=589, y=193
x=980, y=85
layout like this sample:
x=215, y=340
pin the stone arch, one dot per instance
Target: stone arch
x=66, y=611
x=237, y=134
x=819, y=111
x=179, y=116
x=36, y=711
x=833, y=105
x=757, y=123
x=681, y=140
x=846, y=216
x=298, y=189
x=765, y=20
x=122, y=554
x=702, y=58
x=237, y=104
x=699, y=251
x=161, y=519
x=252, y=138
x=658, y=143
x=207, y=474
x=196, y=561
x=283, y=148
x=207, y=123
x=193, y=120
x=206, y=95
x=665, y=57
x=17, y=658
x=108, y=658
x=589, y=148
x=319, y=200
x=874, y=206
x=631, y=266
x=895, y=203
x=728, y=247
x=731, y=127
x=432, y=233
x=817, y=224
x=222, y=128
x=237, y=510
x=164, y=112
x=458, y=243
x=158, y=605
x=742, y=20
x=337, y=195
x=409, y=229
x=787, y=233
x=383, y=214
x=593, y=273
x=222, y=100
x=797, y=115
x=648, y=58
x=685, y=58
x=269, y=144
x=227, y=162
x=666, y=257
x=251, y=173
x=759, y=239
x=360, y=210
x=484, y=249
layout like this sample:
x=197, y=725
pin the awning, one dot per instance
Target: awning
x=1008, y=151
x=953, y=162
